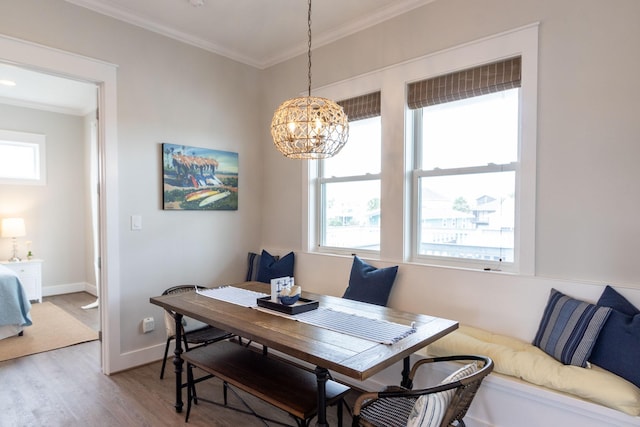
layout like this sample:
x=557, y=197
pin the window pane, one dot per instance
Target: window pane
x=352, y=215
x=471, y=132
x=468, y=216
x=361, y=153
x=19, y=160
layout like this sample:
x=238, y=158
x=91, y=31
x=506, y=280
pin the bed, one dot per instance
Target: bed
x=14, y=304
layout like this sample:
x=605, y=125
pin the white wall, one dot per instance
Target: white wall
x=53, y=213
x=167, y=92
x=587, y=124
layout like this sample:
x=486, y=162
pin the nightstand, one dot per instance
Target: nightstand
x=30, y=274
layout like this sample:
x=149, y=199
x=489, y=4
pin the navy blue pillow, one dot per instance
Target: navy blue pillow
x=370, y=284
x=272, y=268
x=618, y=345
x=253, y=261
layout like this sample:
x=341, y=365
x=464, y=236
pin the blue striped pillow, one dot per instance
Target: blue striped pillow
x=254, y=266
x=569, y=328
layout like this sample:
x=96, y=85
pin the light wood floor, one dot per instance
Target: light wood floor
x=66, y=388
x=73, y=303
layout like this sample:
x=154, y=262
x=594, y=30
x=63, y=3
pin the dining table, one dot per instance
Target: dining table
x=336, y=335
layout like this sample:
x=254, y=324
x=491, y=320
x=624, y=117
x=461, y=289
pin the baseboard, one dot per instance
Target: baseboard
x=139, y=357
x=69, y=288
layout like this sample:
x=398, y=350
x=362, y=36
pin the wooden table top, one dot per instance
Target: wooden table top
x=351, y=356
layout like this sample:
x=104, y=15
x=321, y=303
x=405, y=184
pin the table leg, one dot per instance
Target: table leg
x=178, y=362
x=322, y=374
x=406, y=369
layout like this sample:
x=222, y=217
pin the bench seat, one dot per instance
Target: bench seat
x=522, y=360
x=281, y=384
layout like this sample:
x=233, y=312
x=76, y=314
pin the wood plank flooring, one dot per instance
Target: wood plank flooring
x=66, y=388
x=73, y=303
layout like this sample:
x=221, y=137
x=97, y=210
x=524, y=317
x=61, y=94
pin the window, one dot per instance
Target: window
x=22, y=158
x=467, y=154
x=454, y=172
x=349, y=183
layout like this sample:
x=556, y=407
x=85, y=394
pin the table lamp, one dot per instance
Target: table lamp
x=13, y=227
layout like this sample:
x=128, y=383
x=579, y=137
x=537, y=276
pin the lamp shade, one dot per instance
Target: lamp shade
x=309, y=128
x=13, y=227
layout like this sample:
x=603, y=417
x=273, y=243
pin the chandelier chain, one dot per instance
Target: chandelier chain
x=309, y=51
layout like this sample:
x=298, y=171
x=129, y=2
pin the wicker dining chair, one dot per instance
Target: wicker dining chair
x=194, y=333
x=442, y=405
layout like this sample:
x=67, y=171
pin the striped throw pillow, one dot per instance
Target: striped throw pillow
x=429, y=410
x=253, y=267
x=569, y=328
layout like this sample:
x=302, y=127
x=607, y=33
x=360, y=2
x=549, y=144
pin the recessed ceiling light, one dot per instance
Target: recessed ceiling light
x=7, y=82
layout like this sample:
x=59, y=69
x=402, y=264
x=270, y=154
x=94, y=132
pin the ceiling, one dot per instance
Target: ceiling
x=259, y=33
x=32, y=89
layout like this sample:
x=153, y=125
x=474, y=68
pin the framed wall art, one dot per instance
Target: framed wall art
x=199, y=178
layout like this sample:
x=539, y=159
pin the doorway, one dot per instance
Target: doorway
x=60, y=209
x=102, y=75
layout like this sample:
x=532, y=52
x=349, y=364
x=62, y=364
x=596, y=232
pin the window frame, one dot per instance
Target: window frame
x=38, y=144
x=418, y=172
x=397, y=224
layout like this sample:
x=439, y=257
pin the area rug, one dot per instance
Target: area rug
x=52, y=328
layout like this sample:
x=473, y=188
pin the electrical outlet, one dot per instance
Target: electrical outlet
x=147, y=324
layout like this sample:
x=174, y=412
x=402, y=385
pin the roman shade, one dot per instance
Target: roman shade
x=361, y=107
x=481, y=80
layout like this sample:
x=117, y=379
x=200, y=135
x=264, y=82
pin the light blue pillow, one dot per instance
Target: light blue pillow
x=370, y=284
x=569, y=328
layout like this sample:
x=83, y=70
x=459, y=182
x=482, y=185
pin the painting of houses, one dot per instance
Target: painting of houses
x=199, y=178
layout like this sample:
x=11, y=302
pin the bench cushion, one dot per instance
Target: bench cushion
x=522, y=360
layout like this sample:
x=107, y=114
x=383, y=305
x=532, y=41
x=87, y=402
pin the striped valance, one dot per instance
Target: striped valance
x=476, y=81
x=361, y=107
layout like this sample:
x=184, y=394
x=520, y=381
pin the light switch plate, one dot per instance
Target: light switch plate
x=136, y=222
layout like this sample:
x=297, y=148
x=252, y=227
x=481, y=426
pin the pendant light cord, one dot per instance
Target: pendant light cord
x=309, y=52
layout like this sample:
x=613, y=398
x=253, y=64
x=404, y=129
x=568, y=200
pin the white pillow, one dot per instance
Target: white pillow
x=429, y=410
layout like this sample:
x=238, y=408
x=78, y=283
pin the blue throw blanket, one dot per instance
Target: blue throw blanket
x=14, y=304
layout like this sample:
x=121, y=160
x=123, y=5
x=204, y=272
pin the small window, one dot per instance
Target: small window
x=349, y=183
x=22, y=158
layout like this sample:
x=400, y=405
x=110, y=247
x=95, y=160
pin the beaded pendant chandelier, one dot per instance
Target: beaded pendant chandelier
x=309, y=127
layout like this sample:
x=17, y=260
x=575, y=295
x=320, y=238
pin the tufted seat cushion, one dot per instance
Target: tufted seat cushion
x=519, y=359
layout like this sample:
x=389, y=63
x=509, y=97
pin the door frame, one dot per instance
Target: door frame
x=103, y=74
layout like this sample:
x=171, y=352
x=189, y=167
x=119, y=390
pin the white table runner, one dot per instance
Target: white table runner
x=239, y=296
x=370, y=329
x=375, y=330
